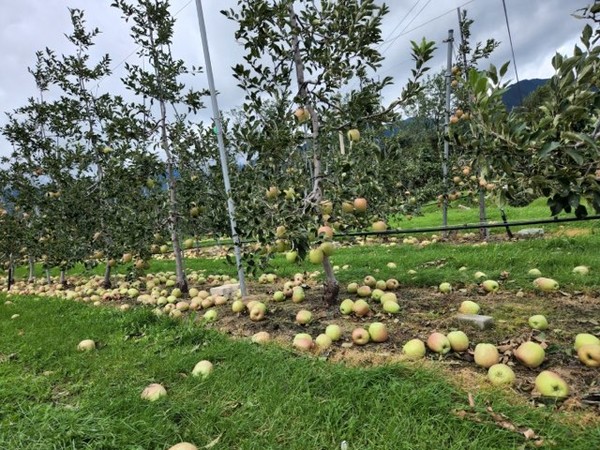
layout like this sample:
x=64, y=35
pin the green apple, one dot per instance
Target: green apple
x=346, y=306
x=378, y=226
x=378, y=332
x=210, y=315
x=238, y=306
x=546, y=284
x=391, y=307
x=323, y=341
x=334, y=332
x=584, y=339
x=391, y=265
x=327, y=248
x=388, y=297
x=291, y=256
x=534, y=273
x=479, y=275
x=589, y=355
x=303, y=317
x=550, y=384
x=202, y=369
x=469, y=307
x=86, y=345
x=530, y=354
x=486, y=355
x=392, y=284
x=490, y=285
x=381, y=285
x=376, y=294
x=445, y=288
x=438, y=343
x=354, y=135
x=415, y=348
x=581, y=270
x=370, y=281
x=458, y=341
x=501, y=374
x=316, y=256
x=278, y=296
x=352, y=288
x=298, y=295
x=538, y=322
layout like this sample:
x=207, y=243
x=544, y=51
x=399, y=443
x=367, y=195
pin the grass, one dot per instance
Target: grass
x=431, y=216
x=53, y=397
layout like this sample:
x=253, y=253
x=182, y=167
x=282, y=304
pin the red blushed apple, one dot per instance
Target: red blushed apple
x=360, y=336
x=438, y=343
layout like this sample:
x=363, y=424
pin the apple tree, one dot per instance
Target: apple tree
x=555, y=152
x=152, y=30
x=303, y=56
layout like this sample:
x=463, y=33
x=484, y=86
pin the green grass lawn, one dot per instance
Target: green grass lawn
x=53, y=397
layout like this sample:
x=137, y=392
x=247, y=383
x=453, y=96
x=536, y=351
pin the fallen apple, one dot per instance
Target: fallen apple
x=391, y=307
x=202, y=369
x=538, y=322
x=415, y=348
x=352, y=288
x=585, y=339
x=334, y=332
x=589, y=354
x=86, y=345
x=534, y=273
x=486, y=355
x=501, y=374
x=459, y=341
x=360, y=336
x=546, y=284
x=183, y=446
x=490, y=285
x=153, y=392
x=445, y=288
x=438, y=343
x=303, y=317
x=550, y=384
x=346, y=306
x=378, y=332
x=323, y=341
x=364, y=291
x=262, y=337
x=469, y=307
x=361, y=308
x=530, y=354
x=581, y=270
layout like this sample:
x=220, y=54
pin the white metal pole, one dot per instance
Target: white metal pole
x=224, y=168
x=446, y=129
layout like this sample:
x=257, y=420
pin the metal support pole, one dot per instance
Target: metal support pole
x=224, y=168
x=450, y=41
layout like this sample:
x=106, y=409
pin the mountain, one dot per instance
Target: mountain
x=512, y=97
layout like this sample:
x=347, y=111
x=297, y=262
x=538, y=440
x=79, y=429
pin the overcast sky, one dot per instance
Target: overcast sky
x=539, y=28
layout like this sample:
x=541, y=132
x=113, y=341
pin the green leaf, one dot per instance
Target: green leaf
x=575, y=155
x=548, y=148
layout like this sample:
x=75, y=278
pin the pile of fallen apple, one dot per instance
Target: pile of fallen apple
x=159, y=291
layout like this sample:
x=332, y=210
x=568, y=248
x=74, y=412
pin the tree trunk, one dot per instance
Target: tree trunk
x=63, y=277
x=331, y=286
x=31, y=263
x=106, y=284
x=484, y=233
x=48, y=279
x=11, y=273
